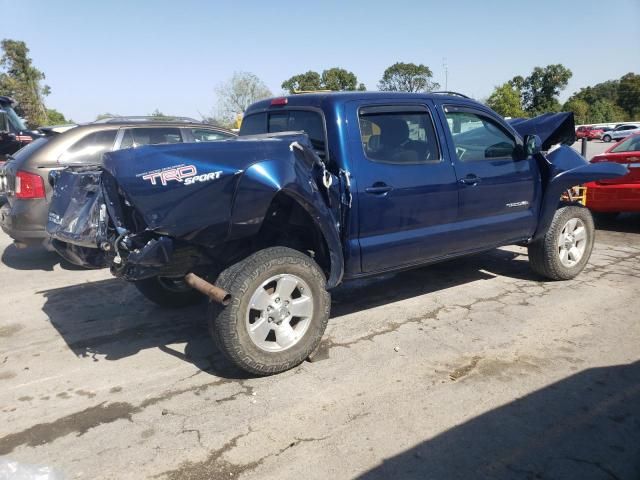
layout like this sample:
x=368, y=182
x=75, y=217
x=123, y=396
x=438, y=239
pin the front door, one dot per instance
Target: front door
x=499, y=189
x=405, y=183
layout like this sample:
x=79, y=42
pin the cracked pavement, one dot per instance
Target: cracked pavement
x=473, y=368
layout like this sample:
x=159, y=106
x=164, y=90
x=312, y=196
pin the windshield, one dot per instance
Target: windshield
x=631, y=144
x=15, y=121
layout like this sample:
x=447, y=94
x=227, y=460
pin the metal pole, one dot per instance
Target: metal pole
x=583, y=148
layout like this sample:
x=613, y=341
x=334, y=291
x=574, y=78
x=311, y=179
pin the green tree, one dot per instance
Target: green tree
x=407, y=77
x=606, y=111
x=541, y=88
x=505, y=100
x=580, y=109
x=236, y=94
x=339, y=79
x=629, y=95
x=336, y=79
x=22, y=81
x=54, y=117
x=102, y=116
x=303, y=82
x=158, y=115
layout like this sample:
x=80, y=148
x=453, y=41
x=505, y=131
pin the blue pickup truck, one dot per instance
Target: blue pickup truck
x=319, y=189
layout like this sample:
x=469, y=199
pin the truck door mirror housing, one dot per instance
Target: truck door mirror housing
x=4, y=122
x=532, y=145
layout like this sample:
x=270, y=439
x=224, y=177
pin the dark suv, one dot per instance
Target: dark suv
x=24, y=178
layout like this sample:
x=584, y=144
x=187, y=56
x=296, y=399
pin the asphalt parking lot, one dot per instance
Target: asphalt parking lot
x=473, y=368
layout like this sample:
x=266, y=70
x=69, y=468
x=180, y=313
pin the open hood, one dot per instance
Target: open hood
x=552, y=128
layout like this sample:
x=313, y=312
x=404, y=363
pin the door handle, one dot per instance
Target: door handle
x=470, y=180
x=379, y=188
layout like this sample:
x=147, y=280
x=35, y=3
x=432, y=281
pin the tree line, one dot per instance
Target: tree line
x=611, y=101
x=522, y=96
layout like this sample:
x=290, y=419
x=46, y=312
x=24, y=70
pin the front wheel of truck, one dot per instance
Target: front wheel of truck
x=168, y=292
x=278, y=312
x=565, y=249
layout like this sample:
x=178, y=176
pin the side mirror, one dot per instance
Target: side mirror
x=532, y=145
x=4, y=122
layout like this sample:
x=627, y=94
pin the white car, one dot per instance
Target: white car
x=620, y=132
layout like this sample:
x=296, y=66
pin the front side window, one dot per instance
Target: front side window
x=206, y=135
x=631, y=144
x=135, y=137
x=400, y=135
x=477, y=137
x=90, y=148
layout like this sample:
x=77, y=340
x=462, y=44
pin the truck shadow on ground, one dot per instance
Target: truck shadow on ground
x=584, y=427
x=34, y=258
x=111, y=320
x=623, y=223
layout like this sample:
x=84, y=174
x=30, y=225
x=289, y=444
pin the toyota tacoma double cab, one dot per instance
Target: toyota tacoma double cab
x=319, y=189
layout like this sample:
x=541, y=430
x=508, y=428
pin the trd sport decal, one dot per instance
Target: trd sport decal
x=186, y=174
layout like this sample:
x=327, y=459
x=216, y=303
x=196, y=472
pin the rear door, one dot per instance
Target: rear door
x=498, y=189
x=405, y=184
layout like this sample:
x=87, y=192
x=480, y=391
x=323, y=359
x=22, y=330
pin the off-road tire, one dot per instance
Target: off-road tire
x=543, y=253
x=227, y=324
x=155, y=290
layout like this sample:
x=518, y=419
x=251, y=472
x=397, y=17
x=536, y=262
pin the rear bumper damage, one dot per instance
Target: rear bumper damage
x=88, y=225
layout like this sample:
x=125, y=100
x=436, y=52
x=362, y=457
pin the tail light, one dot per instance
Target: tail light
x=29, y=185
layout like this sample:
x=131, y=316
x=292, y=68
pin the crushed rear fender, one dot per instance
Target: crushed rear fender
x=562, y=169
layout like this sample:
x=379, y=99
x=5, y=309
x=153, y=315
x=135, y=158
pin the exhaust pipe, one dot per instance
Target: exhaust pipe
x=210, y=290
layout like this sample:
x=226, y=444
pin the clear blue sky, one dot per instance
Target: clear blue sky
x=130, y=57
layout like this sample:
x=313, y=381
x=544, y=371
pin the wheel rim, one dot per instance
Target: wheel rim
x=572, y=242
x=279, y=312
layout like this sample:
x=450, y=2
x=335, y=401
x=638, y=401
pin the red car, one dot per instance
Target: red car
x=620, y=194
x=590, y=133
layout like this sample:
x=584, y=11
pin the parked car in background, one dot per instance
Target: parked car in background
x=612, y=196
x=13, y=132
x=589, y=132
x=620, y=132
x=24, y=178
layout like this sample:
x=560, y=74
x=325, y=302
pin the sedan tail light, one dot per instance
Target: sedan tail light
x=29, y=185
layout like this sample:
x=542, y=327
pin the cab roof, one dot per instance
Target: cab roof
x=325, y=99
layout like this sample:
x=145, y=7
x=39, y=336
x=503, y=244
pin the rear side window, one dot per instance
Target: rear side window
x=205, y=135
x=135, y=137
x=398, y=135
x=254, y=124
x=90, y=148
x=307, y=121
x=477, y=137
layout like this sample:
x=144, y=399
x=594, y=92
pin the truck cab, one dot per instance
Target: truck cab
x=432, y=175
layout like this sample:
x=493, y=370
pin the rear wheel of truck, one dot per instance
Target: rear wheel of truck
x=168, y=292
x=566, y=247
x=278, y=312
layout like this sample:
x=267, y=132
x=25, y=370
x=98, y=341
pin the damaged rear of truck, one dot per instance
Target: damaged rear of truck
x=265, y=224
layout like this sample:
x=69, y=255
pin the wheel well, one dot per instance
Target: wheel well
x=288, y=224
